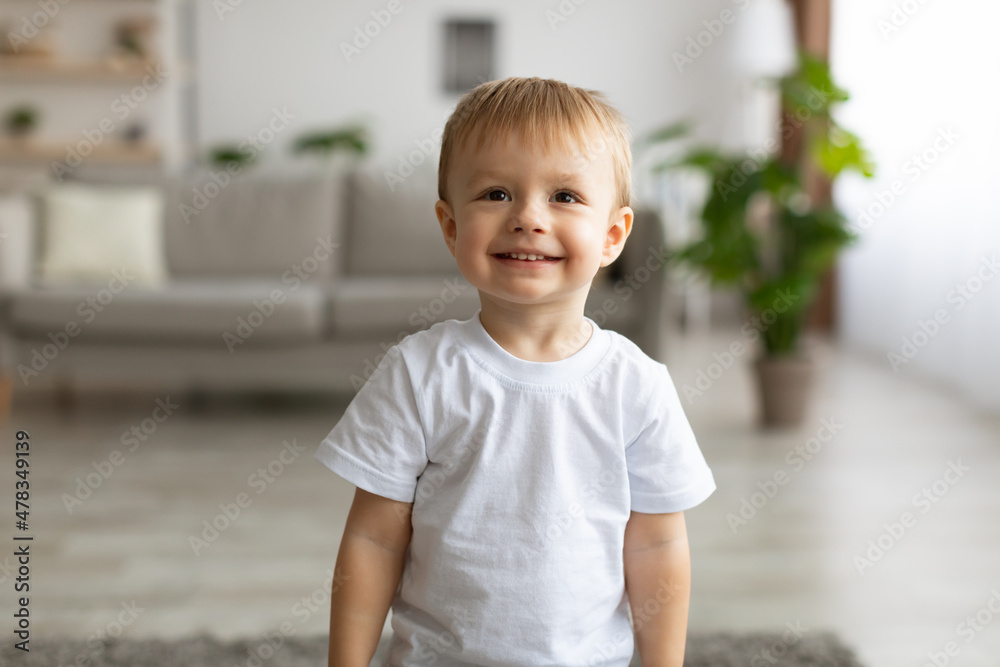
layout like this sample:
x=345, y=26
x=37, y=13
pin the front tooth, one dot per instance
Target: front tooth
x=521, y=255
x=534, y=257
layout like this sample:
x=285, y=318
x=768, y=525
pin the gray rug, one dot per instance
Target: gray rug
x=814, y=649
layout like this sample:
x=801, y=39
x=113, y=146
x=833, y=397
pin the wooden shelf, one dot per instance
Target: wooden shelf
x=109, y=152
x=49, y=69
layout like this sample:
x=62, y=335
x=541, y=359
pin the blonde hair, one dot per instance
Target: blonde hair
x=544, y=112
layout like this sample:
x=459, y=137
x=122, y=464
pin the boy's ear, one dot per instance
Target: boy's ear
x=614, y=242
x=446, y=218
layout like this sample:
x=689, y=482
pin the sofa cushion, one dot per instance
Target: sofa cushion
x=377, y=305
x=254, y=224
x=394, y=230
x=190, y=310
x=89, y=231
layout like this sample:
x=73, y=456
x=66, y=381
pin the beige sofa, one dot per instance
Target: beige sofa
x=273, y=282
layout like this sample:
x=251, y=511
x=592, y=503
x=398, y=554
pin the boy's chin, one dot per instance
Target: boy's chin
x=527, y=303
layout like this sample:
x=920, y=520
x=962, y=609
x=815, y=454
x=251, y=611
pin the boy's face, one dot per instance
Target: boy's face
x=514, y=197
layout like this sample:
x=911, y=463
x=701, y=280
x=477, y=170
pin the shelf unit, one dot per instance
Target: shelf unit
x=78, y=88
x=114, y=152
x=17, y=68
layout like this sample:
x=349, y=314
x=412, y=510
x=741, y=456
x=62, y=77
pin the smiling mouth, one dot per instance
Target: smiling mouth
x=525, y=257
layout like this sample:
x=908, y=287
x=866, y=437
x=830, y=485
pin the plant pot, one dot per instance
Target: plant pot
x=785, y=388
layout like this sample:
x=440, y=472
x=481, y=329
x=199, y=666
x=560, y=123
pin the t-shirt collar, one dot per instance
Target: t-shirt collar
x=570, y=369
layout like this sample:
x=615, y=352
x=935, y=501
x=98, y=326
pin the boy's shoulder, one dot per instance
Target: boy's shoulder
x=433, y=336
x=420, y=348
x=414, y=353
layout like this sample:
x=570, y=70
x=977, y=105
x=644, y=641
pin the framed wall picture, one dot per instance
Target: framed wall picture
x=468, y=53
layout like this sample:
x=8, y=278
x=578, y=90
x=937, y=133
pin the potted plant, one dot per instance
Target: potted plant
x=134, y=38
x=765, y=231
x=232, y=157
x=21, y=121
x=352, y=140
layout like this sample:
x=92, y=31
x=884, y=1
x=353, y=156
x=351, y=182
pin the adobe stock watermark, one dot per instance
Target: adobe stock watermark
x=426, y=151
x=88, y=309
x=206, y=192
x=423, y=317
x=924, y=500
x=431, y=650
x=223, y=8
x=968, y=629
x=32, y=25
x=251, y=147
x=753, y=329
x=263, y=309
x=796, y=459
x=122, y=107
x=698, y=43
x=653, y=606
x=259, y=481
x=928, y=329
x=915, y=167
x=432, y=479
x=775, y=653
x=363, y=35
x=98, y=641
x=899, y=16
x=132, y=439
x=318, y=600
x=739, y=173
x=624, y=288
x=564, y=10
x=562, y=521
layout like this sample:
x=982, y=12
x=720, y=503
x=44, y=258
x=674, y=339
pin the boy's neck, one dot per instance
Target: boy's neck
x=536, y=333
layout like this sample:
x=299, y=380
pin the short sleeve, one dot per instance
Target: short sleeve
x=379, y=445
x=666, y=469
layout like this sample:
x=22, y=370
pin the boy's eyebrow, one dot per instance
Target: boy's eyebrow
x=492, y=175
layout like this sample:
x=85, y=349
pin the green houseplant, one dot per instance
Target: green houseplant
x=766, y=231
x=232, y=157
x=335, y=150
x=352, y=139
x=21, y=121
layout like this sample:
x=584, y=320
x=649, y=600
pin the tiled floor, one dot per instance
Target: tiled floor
x=133, y=540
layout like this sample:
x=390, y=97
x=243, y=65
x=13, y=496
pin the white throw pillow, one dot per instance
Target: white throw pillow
x=91, y=232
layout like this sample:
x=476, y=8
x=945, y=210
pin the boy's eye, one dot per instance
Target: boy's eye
x=496, y=195
x=564, y=197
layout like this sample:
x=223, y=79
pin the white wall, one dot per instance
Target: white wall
x=266, y=55
x=931, y=80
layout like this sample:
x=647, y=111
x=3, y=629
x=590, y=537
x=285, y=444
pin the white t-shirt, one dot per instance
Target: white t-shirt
x=522, y=475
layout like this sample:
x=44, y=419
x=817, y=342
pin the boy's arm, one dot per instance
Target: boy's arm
x=369, y=564
x=658, y=582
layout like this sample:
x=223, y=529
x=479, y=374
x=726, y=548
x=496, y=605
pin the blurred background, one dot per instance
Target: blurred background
x=216, y=217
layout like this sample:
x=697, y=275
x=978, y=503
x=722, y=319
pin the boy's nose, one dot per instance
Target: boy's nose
x=528, y=217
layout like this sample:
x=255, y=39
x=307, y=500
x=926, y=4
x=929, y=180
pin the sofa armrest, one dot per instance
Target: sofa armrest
x=17, y=241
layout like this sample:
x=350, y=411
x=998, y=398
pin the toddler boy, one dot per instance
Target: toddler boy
x=521, y=475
